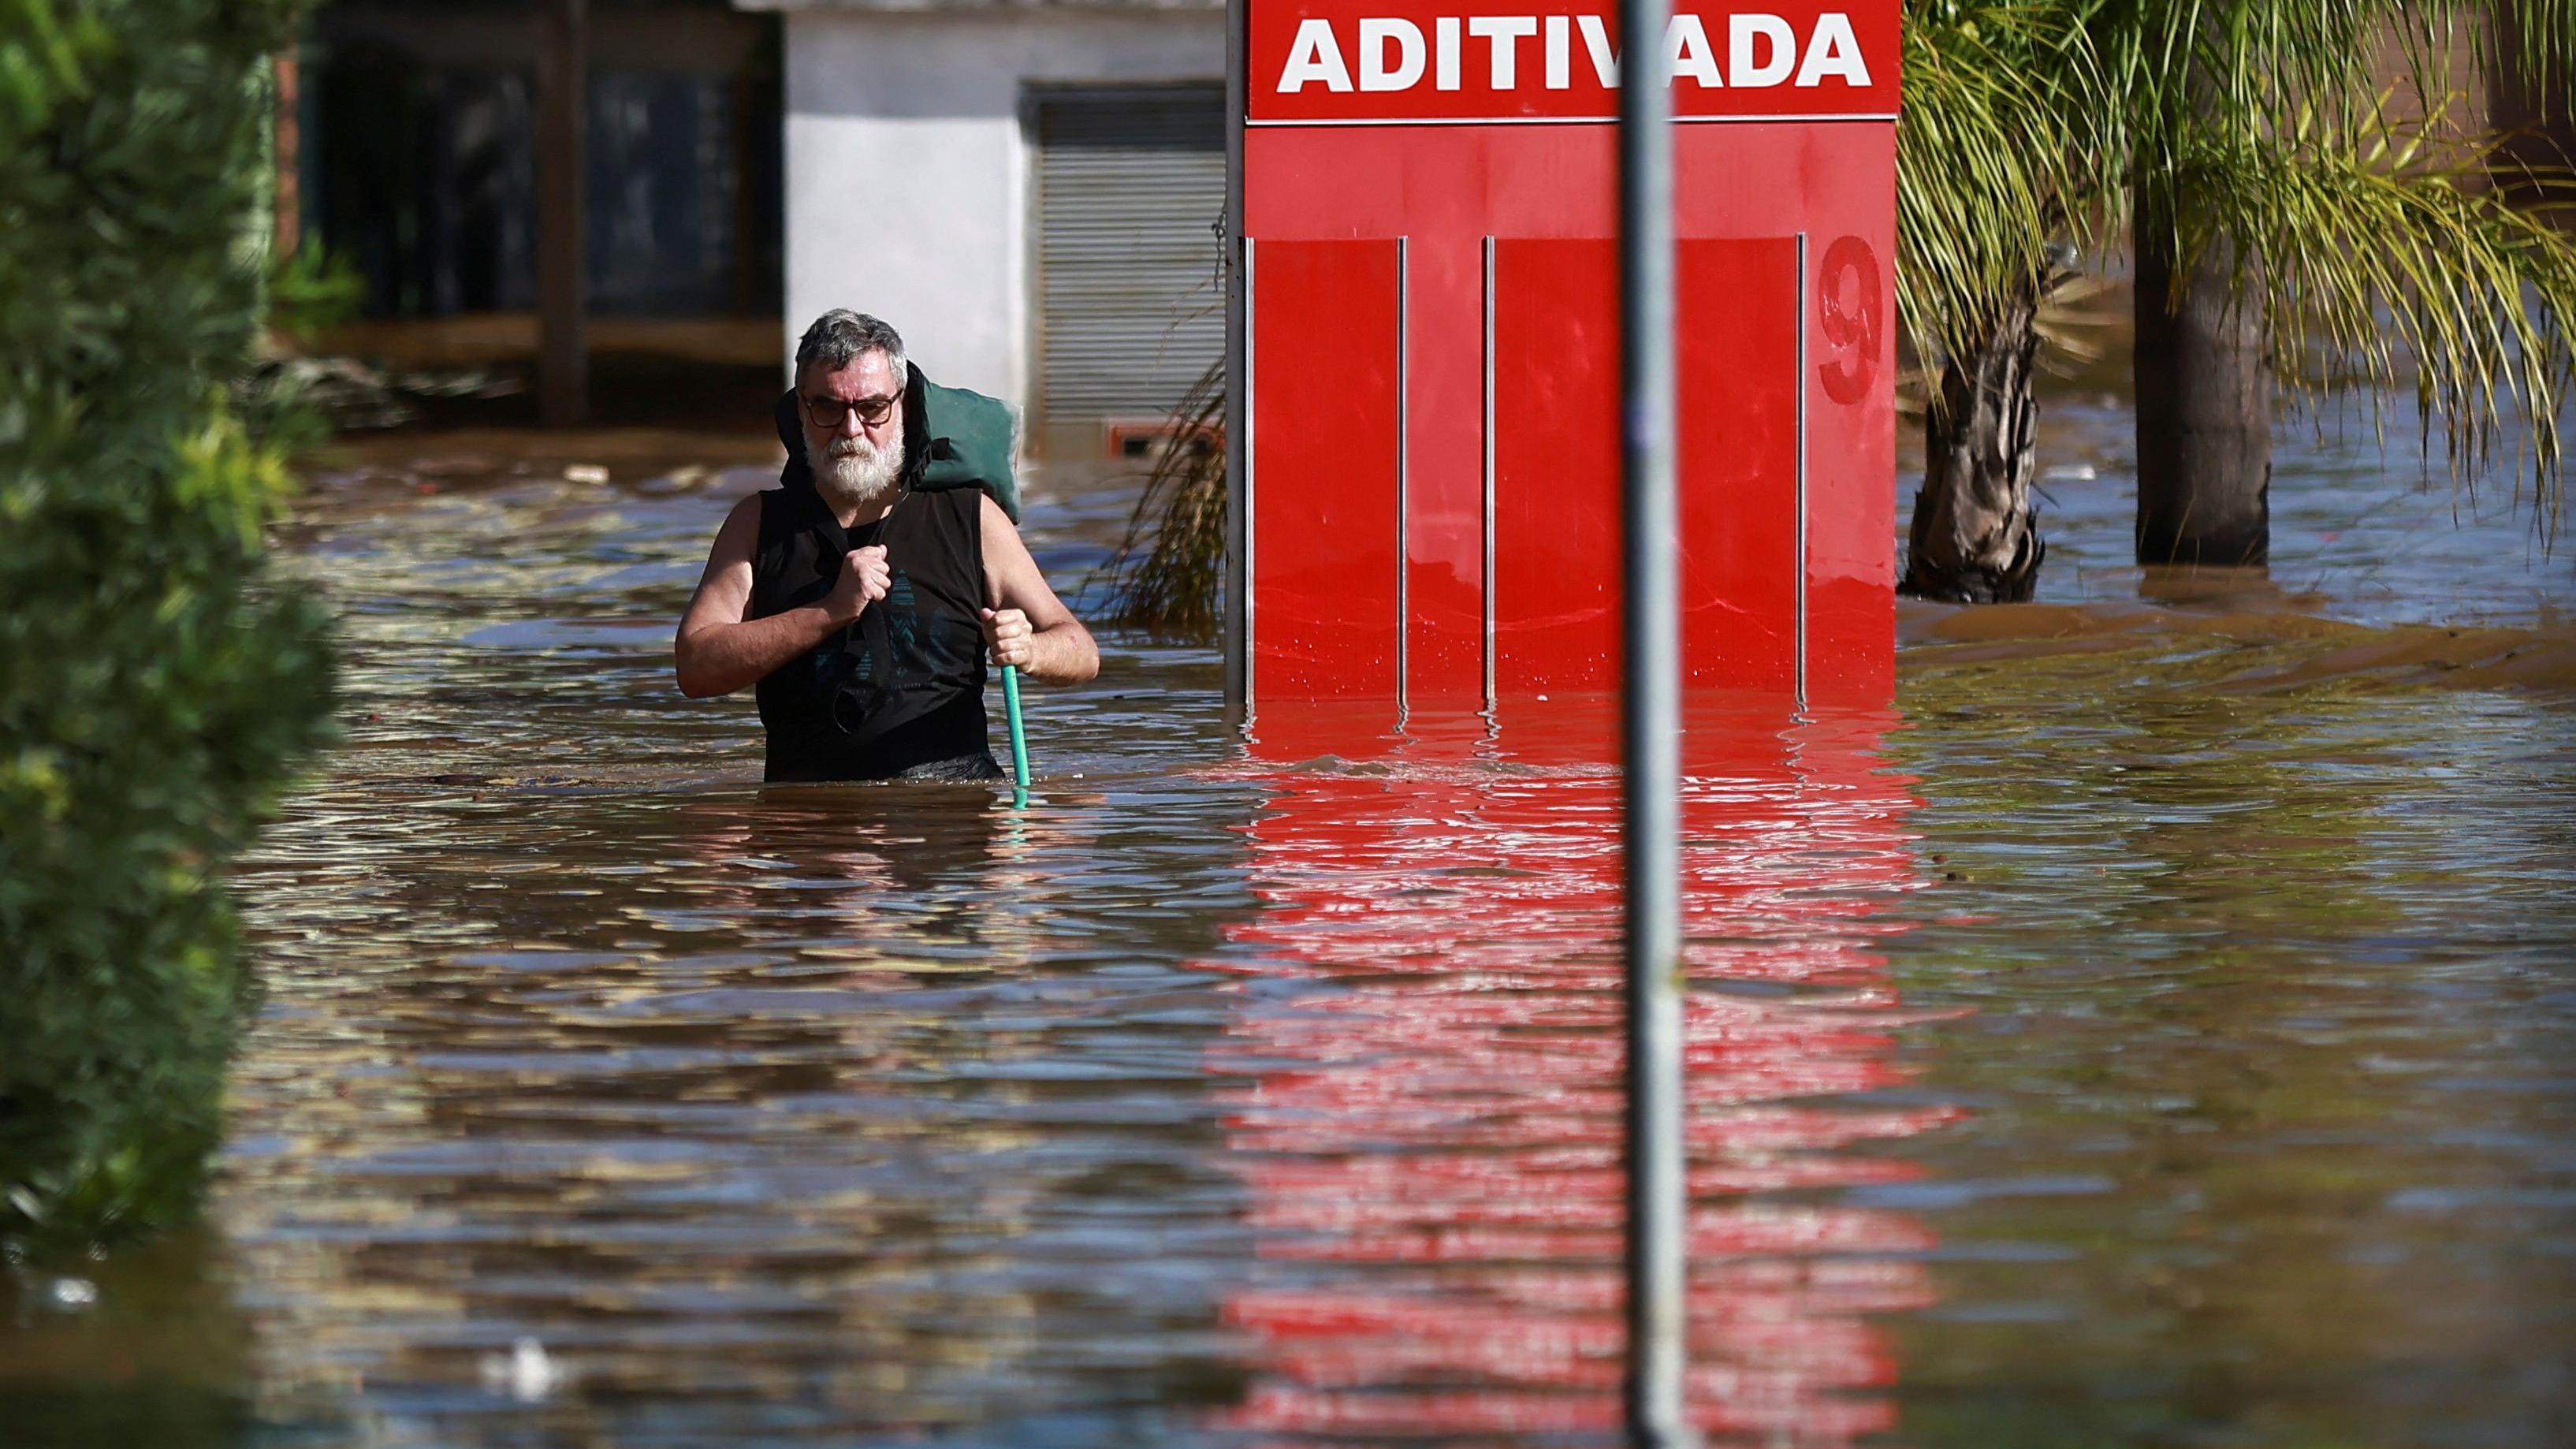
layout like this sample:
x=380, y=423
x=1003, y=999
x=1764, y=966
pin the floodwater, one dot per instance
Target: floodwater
x=2159, y=1028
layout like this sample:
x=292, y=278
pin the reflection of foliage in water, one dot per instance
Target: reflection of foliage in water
x=153, y=689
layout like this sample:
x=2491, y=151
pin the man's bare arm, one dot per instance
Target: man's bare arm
x=718, y=651
x=1027, y=624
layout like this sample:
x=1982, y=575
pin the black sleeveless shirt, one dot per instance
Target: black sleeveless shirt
x=899, y=693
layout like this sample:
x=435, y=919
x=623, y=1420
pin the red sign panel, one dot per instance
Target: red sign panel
x=1380, y=61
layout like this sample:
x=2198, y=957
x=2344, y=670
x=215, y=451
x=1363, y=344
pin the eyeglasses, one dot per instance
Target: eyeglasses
x=828, y=412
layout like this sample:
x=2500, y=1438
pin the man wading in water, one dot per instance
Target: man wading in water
x=862, y=595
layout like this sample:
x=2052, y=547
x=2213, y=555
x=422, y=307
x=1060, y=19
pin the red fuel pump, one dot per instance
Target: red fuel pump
x=1426, y=345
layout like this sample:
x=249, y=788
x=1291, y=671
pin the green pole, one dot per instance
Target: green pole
x=1019, y=735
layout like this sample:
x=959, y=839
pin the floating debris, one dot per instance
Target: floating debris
x=525, y=1373
x=357, y=396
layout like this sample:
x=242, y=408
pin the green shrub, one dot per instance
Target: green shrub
x=312, y=290
x=155, y=688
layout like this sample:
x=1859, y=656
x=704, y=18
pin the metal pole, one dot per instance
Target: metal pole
x=1237, y=263
x=1651, y=779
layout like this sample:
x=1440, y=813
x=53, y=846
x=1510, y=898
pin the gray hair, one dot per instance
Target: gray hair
x=840, y=337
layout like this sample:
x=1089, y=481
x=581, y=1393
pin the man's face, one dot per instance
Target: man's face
x=854, y=460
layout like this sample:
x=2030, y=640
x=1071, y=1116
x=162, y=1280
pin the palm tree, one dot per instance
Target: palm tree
x=2291, y=220
x=1994, y=163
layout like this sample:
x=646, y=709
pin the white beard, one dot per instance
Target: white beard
x=854, y=472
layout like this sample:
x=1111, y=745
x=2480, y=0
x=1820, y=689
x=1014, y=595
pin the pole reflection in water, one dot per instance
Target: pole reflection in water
x=1431, y=1037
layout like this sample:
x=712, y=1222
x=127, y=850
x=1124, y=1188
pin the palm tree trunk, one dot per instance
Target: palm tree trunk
x=2204, y=411
x=1975, y=538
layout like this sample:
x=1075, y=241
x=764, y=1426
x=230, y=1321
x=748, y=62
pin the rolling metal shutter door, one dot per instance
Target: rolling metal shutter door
x=1130, y=184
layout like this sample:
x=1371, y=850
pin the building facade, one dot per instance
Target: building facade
x=1031, y=193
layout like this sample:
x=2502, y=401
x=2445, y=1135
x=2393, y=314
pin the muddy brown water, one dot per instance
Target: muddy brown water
x=2160, y=1028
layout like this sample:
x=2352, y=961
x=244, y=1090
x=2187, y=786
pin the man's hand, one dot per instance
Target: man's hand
x=864, y=580
x=1027, y=625
x=1008, y=635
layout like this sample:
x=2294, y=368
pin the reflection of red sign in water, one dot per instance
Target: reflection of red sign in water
x=1359, y=61
x=1431, y=1131
x=1431, y=474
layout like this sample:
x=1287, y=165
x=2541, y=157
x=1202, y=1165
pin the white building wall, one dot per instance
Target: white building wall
x=907, y=172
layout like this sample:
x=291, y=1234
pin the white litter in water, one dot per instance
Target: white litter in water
x=585, y=473
x=525, y=1373
x=2074, y=472
x=73, y=1293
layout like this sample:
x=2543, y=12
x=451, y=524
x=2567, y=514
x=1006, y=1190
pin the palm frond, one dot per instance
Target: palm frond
x=1168, y=573
x=1998, y=146
x=2538, y=37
